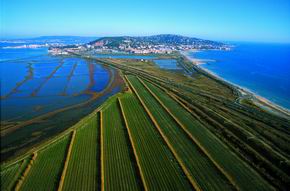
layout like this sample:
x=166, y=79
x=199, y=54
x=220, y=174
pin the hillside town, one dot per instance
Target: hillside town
x=159, y=44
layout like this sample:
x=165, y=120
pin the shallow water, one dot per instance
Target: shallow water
x=11, y=54
x=57, y=89
x=34, y=86
x=101, y=78
x=11, y=73
x=169, y=64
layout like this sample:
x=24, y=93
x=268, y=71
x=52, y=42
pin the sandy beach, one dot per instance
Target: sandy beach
x=195, y=60
x=256, y=98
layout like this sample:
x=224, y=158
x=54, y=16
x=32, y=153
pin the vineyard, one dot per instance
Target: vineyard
x=201, y=169
x=234, y=169
x=157, y=166
x=49, y=162
x=84, y=158
x=149, y=137
x=118, y=163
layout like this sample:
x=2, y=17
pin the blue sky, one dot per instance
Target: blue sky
x=239, y=20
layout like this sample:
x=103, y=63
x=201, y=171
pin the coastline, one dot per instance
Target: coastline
x=196, y=61
x=258, y=100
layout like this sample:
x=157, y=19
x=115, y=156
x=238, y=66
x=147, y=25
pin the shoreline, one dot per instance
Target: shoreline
x=258, y=100
x=196, y=61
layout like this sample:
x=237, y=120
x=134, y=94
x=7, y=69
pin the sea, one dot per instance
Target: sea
x=262, y=68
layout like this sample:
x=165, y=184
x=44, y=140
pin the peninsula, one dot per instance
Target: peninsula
x=158, y=44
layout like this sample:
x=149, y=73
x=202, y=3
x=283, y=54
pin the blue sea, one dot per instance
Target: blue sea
x=261, y=68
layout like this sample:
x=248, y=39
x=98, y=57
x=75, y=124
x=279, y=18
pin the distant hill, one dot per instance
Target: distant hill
x=156, y=44
x=163, y=39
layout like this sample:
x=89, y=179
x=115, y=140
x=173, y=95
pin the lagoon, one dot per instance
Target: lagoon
x=168, y=64
x=42, y=95
x=55, y=80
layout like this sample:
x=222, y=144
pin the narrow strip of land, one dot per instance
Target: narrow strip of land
x=34, y=93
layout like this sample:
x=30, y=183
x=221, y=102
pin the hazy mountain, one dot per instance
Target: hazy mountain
x=165, y=39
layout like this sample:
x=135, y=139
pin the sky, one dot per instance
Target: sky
x=226, y=20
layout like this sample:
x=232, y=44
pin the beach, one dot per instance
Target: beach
x=243, y=91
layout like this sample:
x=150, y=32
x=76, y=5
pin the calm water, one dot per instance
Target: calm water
x=262, y=68
x=34, y=83
x=168, y=64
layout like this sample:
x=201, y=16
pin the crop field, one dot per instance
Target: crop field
x=240, y=174
x=159, y=134
x=83, y=164
x=46, y=170
x=8, y=174
x=257, y=137
x=204, y=173
x=117, y=159
x=159, y=169
x=12, y=174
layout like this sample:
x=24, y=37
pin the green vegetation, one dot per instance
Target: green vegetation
x=256, y=136
x=205, y=174
x=83, y=166
x=8, y=174
x=12, y=174
x=46, y=170
x=157, y=165
x=118, y=160
x=241, y=174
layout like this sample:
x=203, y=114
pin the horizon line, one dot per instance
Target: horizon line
x=26, y=37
